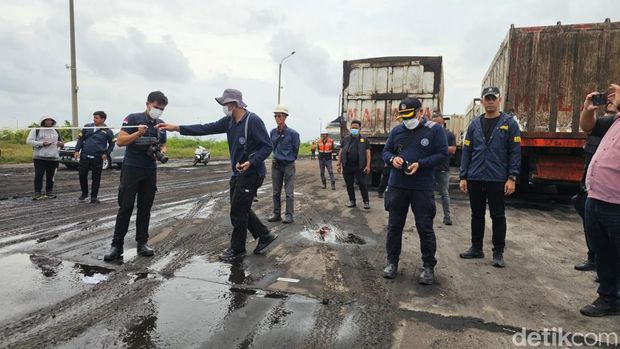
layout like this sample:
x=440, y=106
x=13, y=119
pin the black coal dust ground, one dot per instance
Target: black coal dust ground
x=319, y=285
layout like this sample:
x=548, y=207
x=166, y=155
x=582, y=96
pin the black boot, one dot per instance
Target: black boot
x=333, y=185
x=274, y=218
x=145, y=251
x=351, y=204
x=472, y=253
x=427, y=277
x=324, y=185
x=390, y=271
x=587, y=265
x=498, y=260
x=230, y=254
x=264, y=241
x=602, y=306
x=83, y=197
x=114, y=254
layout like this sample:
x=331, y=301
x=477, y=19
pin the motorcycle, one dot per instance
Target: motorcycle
x=201, y=155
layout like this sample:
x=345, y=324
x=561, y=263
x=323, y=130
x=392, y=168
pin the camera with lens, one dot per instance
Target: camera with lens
x=153, y=148
x=155, y=151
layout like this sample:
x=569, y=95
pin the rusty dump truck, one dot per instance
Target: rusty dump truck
x=372, y=89
x=544, y=74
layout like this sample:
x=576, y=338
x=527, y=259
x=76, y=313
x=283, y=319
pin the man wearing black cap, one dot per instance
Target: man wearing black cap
x=489, y=170
x=413, y=150
x=249, y=145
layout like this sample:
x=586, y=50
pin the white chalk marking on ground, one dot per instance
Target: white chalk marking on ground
x=288, y=280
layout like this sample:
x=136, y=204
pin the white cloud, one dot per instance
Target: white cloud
x=193, y=49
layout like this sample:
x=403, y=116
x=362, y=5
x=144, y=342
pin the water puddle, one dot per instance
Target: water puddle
x=31, y=282
x=212, y=305
x=330, y=234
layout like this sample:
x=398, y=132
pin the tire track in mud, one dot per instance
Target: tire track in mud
x=369, y=308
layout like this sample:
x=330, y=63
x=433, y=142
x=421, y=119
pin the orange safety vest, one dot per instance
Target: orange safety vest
x=326, y=146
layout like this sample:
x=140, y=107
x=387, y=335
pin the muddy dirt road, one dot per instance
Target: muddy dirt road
x=56, y=291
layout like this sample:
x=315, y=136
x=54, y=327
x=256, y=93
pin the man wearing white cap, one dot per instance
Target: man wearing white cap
x=285, y=142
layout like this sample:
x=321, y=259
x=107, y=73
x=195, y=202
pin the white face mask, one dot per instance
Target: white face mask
x=411, y=123
x=226, y=111
x=155, y=113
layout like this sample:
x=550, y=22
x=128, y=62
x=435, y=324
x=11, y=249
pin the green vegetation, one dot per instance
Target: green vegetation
x=15, y=150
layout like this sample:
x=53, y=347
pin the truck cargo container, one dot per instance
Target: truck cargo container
x=372, y=89
x=544, y=74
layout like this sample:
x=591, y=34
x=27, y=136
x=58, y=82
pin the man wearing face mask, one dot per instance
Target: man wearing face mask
x=354, y=156
x=413, y=150
x=489, y=169
x=249, y=146
x=139, y=174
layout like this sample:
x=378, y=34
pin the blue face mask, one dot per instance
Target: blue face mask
x=355, y=132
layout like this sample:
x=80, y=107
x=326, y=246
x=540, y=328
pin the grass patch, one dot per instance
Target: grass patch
x=14, y=153
x=178, y=148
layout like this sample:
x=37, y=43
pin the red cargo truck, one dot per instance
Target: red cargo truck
x=544, y=74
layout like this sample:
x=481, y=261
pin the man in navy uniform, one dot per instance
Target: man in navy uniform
x=354, y=163
x=139, y=174
x=489, y=170
x=249, y=146
x=94, y=146
x=413, y=150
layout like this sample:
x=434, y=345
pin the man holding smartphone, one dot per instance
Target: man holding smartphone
x=602, y=211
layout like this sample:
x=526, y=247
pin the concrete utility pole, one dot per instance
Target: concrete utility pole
x=74, y=87
x=280, y=74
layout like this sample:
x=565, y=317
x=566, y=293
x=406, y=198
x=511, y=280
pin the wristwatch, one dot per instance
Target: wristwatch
x=392, y=160
x=513, y=178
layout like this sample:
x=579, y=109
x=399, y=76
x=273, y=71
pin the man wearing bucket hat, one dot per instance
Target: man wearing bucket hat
x=489, y=169
x=285, y=142
x=413, y=150
x=249, y=146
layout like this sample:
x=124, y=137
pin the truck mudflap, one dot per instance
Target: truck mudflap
x=558, y=168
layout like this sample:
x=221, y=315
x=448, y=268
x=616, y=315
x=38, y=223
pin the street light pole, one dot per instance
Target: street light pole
x=280, y=74
x=74, y=88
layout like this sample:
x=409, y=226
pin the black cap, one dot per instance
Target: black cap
x=491, y=90
x=408, y=107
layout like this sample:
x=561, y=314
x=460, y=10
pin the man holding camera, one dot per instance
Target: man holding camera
x=602, y=211
x=94, y=145
x=285, y=142
x=413, y=150
x=249, y=146
x=144, y=144
x=489, y=169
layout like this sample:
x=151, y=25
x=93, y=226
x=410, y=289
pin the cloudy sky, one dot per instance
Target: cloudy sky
x=193, y=49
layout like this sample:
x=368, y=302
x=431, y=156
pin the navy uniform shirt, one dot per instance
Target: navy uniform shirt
x=285, y=144
x=136, y=155
x=93, y=143
x=257, y=147
x=445, y=166
x=428, y=147
x=491, y=158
